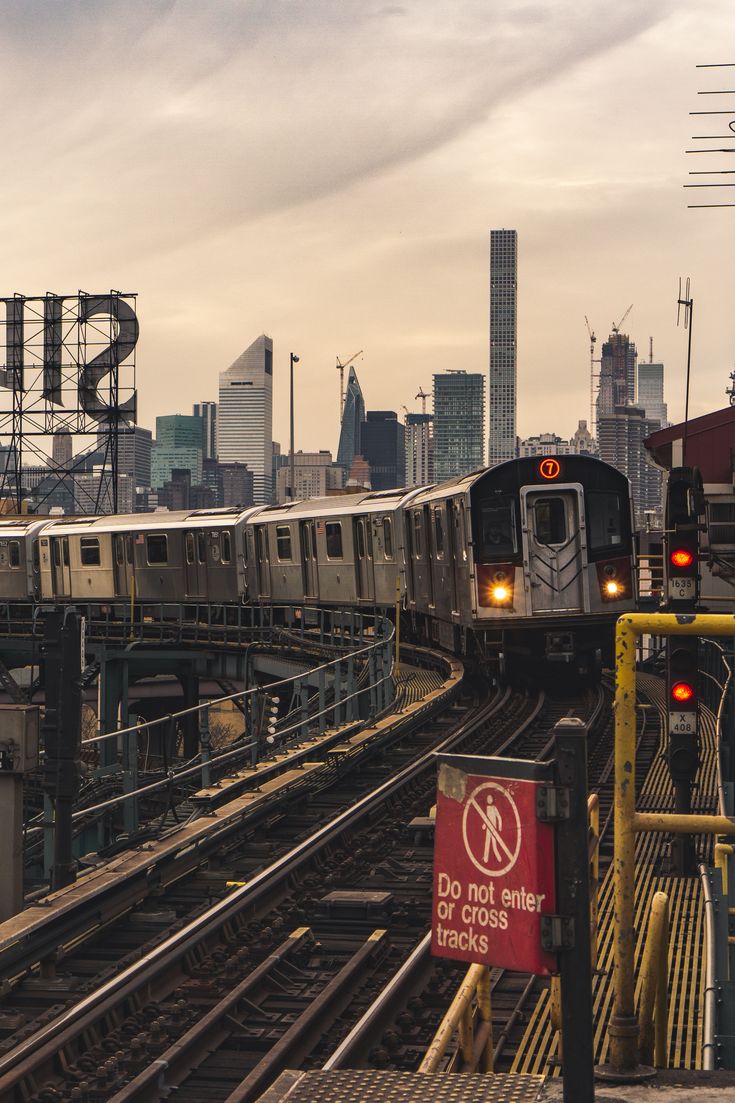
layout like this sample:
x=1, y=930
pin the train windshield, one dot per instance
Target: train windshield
x=497, y=537
x=605, y=520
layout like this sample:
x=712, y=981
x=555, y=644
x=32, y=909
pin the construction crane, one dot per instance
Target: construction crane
x=423, y=395
x=616, y=328
x=593, y=341
x=341, y=369
x=405, y=420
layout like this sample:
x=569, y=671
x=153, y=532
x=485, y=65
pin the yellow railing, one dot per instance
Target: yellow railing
x=475, y=1026
x=623, y=1027
x=654, y=1005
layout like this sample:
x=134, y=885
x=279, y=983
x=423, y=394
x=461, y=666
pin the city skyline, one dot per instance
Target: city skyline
x=380, y=242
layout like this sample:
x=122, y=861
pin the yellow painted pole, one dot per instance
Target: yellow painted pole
x=451, y=1020
x=485, y=1007
x=593, y=806
x=681, y=823
x=722, y=853
x=654, y=992
x=398, y=627
x=555, y=1013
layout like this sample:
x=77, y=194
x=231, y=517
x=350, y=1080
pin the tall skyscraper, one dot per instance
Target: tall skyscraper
x=353, y=416
x=419, y=449
x=503, y=345
x=384, y=448
x=651, y=392
x=62, y=448
x=617, y=374
x=245, y=416
x=207, y=411
x=459, y=423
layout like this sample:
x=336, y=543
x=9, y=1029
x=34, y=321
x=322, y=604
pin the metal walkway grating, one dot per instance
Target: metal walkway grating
x=378, y=1086
x=686, y=937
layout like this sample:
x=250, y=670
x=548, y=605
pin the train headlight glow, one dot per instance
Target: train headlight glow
x=612, y=589
x=501, y=593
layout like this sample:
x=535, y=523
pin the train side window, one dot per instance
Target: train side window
x=90, y=551
x=190, y=547
x=261, y=547
x=550, y=520
x=131, y=550
x=387, y=538
x=283, y=542
x=226, y=547
x=157, y=548
x=604, y=520
x=313, y=542
x=359, y=529
x=119, y=549
x=334, y=539
x=498, y=530
x=65, y=550
x=417, y=534
x=57, y=556
x=438, y=534
x=202, y=547
x=369, y=537
x=36, y=556
x=14, y=553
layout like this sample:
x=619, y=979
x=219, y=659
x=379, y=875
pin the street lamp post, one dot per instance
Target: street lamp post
x=294, y=360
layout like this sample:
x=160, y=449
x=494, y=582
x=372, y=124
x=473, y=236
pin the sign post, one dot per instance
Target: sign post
x=511, y=878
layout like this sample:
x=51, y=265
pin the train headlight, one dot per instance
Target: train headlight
x=612, y=589
x=501, y=593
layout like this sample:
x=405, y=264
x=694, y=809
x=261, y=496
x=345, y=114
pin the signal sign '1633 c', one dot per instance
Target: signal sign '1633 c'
x=494, y=873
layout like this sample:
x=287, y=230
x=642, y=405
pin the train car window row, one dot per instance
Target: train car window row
x=333, y=530
x=89, y=551
x=283, y=543
x=157, y=548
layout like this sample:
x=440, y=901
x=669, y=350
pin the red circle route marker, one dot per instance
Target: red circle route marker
x=549, y=469
x=491, y=829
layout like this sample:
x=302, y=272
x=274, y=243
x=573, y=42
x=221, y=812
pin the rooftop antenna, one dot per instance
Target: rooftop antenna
x=650, y=350
x=730, y=391
x=719, y=109
x=688, y=303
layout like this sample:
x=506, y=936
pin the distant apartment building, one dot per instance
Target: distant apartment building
x=549, y=444
x=207, y=412
x=651, y=392
x=93, y=492
x=419, y=449
x=503, y=345
x=459, y=423
x=134, y=455
x=245, y=416
x=353, y=418
x=621, y=436
x=383, y=446
x=315, y=476
x=61, y=448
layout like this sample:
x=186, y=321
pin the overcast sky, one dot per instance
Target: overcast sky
x=328, y=173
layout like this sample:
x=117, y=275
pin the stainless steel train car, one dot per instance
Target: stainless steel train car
x=532, y=557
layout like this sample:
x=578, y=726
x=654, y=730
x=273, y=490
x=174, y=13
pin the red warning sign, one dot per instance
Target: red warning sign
x=494, y=873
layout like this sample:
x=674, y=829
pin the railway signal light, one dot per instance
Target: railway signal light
x=682, y=683
x=684, y=505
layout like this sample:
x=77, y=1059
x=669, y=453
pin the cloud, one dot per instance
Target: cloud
x=148, y=124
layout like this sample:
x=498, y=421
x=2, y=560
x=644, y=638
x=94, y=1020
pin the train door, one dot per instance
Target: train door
x=122, y=551
x=429, y=554
x=307, y=544
x=263, y=561
x=452, y=526
x=362, y=566
x=553, y=550
x=195, y=562
x=60, y=566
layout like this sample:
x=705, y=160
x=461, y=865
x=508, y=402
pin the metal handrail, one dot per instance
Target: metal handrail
x=654, y=1003
x=476, y=1049
x=709, y=1046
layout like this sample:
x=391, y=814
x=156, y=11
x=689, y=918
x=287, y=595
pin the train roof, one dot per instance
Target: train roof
x=149, y=522
x=516, y=469
x=20, y=526
x=375, y=501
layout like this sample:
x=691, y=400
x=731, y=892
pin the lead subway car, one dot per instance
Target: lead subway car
x=533, y=558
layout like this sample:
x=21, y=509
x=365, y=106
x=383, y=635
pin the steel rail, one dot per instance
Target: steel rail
x=44, y=1044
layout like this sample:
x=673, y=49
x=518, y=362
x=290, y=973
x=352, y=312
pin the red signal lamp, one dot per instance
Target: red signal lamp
x=682, y=557
x=682, y=692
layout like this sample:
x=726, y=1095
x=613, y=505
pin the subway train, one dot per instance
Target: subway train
x=531, y=558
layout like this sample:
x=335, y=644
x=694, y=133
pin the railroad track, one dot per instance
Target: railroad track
x=92, y=1025
x=396, y=1030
